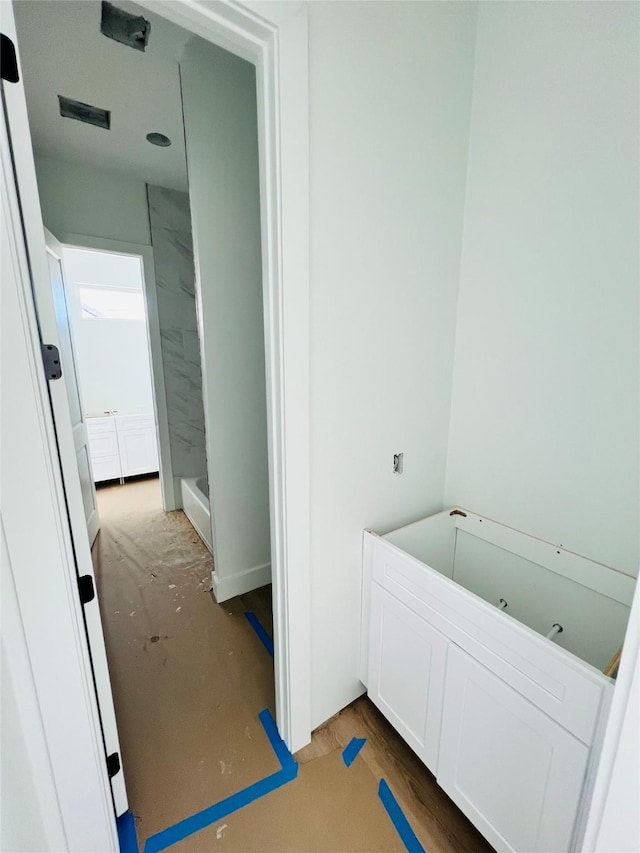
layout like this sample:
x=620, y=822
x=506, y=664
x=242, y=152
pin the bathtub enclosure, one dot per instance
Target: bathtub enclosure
x=195, y=504
x=484, y=647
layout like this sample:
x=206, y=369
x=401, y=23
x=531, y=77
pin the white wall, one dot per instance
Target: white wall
x=544, y=431
x=222, y=154
x=78, y=199
x=112, y=355
x=390, y=88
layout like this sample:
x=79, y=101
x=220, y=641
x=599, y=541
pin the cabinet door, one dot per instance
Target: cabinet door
x=513, y=771
x=138, y=451
x=105, y=468
x=407, y=660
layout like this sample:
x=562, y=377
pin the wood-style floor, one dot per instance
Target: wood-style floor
x=189, y=679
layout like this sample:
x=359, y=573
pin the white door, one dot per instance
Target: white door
x=53, y=320
x=70, y=376
x=407, y=659
x=514, y=772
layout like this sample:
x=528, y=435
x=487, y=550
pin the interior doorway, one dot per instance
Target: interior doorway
x=277, y=45
x=106, y=297
x=119, y=372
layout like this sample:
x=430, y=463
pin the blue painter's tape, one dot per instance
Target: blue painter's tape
x=402, y=825
x=198, y=821
x=264, y=638
x=279, y=746
x=126, y=827
x=352, y=749
x=225, y=807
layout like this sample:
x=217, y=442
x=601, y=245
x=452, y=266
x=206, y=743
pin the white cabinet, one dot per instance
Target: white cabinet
x=515, y=771
x=511, y=769
x=122, y=446
x=406, y=673
x=103, y=447
x=137, y=443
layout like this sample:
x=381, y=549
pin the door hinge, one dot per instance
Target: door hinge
x=86, y=589
x=8, y=60
x=113, y=764
x=51, y=361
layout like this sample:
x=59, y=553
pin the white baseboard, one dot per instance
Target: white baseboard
x=226, y=588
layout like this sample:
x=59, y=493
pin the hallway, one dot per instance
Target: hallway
x=189, y=679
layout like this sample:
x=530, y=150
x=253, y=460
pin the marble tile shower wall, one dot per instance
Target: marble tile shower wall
x=170, y=222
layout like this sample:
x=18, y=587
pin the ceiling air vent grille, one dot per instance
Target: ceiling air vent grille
x=84, y=112
x=121, y=26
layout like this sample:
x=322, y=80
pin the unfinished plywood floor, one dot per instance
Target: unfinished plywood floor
x=189, y=678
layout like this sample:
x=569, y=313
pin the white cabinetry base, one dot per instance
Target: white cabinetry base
x=506, y=718
x=513, y=771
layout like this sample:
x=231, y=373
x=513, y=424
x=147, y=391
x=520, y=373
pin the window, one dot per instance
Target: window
x=111, y=303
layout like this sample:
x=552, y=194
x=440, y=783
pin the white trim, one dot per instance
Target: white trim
x=226, y=588
x=614, y=742
x=170, y=498
x=276, y=41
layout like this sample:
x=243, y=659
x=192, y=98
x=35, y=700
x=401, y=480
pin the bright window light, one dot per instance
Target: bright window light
x=111, y=303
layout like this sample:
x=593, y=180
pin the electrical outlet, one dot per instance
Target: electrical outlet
x=398, y=463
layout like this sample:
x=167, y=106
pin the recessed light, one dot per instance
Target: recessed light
x=159, y=139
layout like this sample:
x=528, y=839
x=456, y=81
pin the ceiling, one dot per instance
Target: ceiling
x=64, y=53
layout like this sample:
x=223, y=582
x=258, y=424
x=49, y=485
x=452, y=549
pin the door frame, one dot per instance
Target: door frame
x=278, y=46
x=144, y=253
x=274, y=37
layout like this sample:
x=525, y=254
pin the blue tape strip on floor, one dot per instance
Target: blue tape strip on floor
x=277, y=744
x=198, y=821
x=127, y=838
x=264, y=638
x=352, y=749
x=402, y=825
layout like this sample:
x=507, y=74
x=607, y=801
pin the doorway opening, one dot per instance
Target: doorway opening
x=105, y=295
x=166, y=351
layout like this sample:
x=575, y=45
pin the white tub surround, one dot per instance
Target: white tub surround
x=456, y=613
x=195, y=505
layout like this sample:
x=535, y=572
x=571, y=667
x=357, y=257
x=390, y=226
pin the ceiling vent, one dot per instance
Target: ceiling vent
x=121, y=26
x=84, y=112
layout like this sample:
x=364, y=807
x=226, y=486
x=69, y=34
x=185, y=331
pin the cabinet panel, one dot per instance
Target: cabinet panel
x=138, y=451
x=560, y=685
x=103, y=444
x=126, y=422
x=105, y=468
x=98, y=425
x=407, y=660
x=514, y=772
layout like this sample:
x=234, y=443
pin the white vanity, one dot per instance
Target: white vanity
x=484, y=647
x=122, y=446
